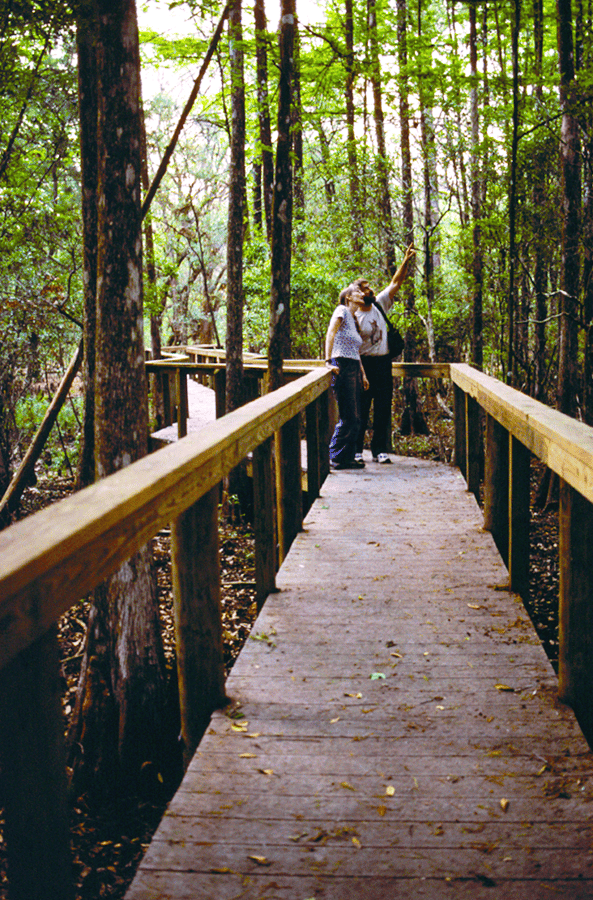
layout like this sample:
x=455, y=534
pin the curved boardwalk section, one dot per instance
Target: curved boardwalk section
x=393, y=731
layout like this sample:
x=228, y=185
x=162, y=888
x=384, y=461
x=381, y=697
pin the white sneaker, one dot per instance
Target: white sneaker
x=381, y=458
x=358, y=457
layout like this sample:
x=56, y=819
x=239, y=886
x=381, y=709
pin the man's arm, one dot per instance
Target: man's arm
x=398, y=279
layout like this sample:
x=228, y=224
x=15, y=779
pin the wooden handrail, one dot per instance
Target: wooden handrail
x=51, y=559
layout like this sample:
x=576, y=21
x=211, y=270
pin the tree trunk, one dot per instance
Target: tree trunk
x=234, y=328
x=117, y=728
x=541, y=302
x=263, y=107
x=87, y=105
x=355, y=213
x=412, y=420
x=386, y=220
x=476, y=200
x=571, y=200
x=279, y=346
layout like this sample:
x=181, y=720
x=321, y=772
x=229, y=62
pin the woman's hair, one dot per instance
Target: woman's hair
x=345, y=296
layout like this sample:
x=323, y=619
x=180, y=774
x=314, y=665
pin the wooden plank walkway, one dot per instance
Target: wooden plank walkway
x=394, y=731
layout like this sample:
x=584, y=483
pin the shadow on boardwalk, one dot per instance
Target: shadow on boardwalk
x=393, y=730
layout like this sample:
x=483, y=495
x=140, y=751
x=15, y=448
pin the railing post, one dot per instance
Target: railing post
x=496, y=486
x=34, y=789
x=264, y=525
x=219, y=379
x=473, y=444
x=325, y=432
x=289, y=492
x=167, y=410
x=182, y=404
x=518, y=563
x=575, y=662
x=460, y=426
x=312, y=418
x=198, y=618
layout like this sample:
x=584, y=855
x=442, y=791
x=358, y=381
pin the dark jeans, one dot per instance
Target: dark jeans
x=378, y=373
x=347, y=387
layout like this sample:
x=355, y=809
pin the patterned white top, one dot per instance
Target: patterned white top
x=347, y=340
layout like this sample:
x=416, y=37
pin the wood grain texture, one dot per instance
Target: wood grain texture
x=390, y=699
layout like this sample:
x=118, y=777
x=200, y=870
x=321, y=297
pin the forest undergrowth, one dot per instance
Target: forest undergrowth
x=108, y=843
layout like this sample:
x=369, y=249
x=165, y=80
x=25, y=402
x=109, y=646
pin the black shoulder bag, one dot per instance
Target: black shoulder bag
x=395, y=341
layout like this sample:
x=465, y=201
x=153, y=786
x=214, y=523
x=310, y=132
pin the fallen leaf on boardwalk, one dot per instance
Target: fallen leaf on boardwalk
x=333, y=721
x=255, y=734
x=377, y=675
x=504, y=804
x=390, y=790
x=474, y=606
x=503, y=687
x=239, y=726
x=222, y=870
x=356, y=696
x=247, y=756
x=267, y=771
x=260, y=860
x=356, y=842
x=345, y=784
x=381, y=810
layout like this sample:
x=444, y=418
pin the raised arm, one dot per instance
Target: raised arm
x=398, y=279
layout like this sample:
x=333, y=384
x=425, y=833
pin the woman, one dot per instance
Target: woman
x=374, y=354
x=342, y=346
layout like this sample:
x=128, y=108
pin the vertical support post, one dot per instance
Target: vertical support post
x=264, y=525
x=460, y=425
x=518, y=564
x=313, y=452
x=473, y=444
x=575, y=663
x=496, y=486
x=325, y=433
x=182, y=404
x=167, y=411
x=34, y=788
x=198, y=618
x=289, y=494
x=219, y=377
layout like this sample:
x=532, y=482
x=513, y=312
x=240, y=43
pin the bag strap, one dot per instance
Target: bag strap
x=383, y=313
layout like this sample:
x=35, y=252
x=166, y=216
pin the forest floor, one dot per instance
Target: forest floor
x=108, y=843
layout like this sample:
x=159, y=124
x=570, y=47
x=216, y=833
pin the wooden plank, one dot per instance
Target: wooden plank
x=389, y=703
x=53, y=558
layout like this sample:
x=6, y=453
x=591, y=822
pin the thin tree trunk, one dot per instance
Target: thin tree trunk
x=571, y=200
x=541, y=303
x=386, y=219
x=279, y=346
x=234, y=328
x=476, y=198
x=512, y=296
x=263, y=108
x=351, y=137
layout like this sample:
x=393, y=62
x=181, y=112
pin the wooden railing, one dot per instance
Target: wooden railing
x=515, y=427
x=55, y=557
x=52, y=559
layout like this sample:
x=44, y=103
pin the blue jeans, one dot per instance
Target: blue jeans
x=347, y=385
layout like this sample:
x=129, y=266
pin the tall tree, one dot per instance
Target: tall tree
x=279, y=344
x=570, y=155
x=476, y=198
x=117, y=726
x=349, y=62
x=385, y=215
x=263, y=111
x=514, y=344
x=234, y=327
x=539, y=277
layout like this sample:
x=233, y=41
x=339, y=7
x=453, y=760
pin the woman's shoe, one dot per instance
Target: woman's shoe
x=358, y=457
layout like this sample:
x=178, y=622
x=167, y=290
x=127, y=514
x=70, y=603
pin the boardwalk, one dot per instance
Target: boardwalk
x=394, y=731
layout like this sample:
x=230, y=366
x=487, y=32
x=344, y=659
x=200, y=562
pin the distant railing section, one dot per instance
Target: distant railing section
x=515, y=427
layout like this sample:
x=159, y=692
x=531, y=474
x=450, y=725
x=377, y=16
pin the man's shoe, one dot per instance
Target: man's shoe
x=351, y=464
x=381, y=458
